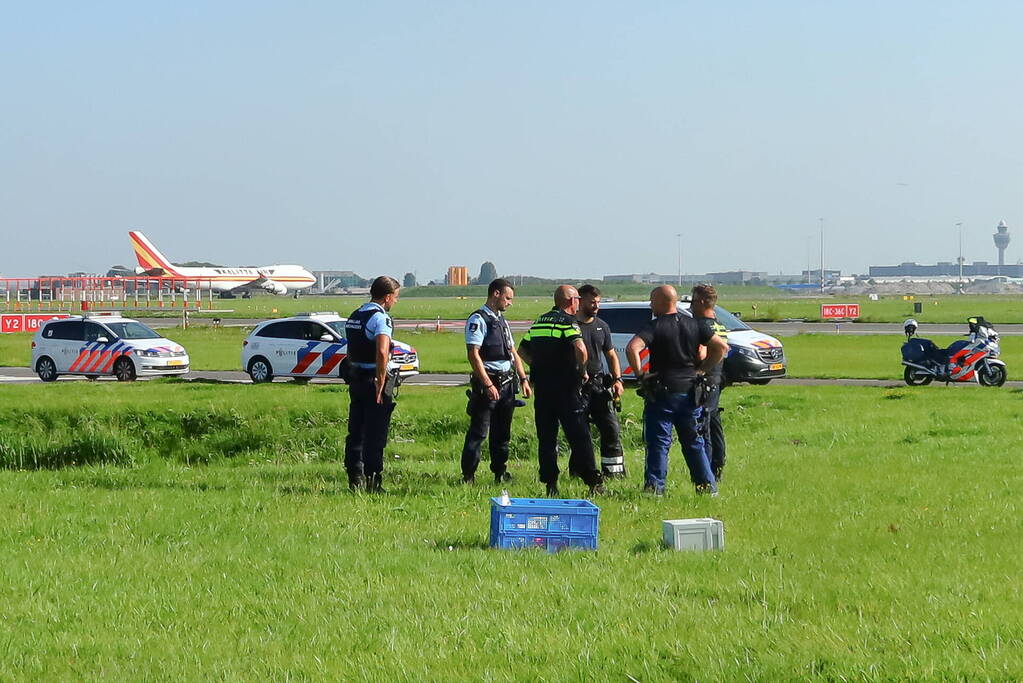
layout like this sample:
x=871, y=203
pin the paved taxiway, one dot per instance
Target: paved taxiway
x=16, y=375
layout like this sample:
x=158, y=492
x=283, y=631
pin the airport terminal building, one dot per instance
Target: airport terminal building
x=948, y=269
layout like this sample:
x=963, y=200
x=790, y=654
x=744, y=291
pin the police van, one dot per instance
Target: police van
x=752, y=357
x=97, y=345
x=310, y=345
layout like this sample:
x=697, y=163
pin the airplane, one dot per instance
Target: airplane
x=274, y=279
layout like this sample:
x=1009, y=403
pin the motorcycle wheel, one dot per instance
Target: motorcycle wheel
x=915, y=380
x=992, y=375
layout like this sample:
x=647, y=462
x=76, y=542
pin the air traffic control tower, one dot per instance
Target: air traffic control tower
x=1002, y=241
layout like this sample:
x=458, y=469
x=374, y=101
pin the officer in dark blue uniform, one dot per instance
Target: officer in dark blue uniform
x=371, y=388
x=496, y=374
x=557, y=357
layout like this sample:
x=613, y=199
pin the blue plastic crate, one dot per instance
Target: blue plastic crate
x=550, y=524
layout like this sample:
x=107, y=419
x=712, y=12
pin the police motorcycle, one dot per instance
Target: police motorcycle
x=972, y=360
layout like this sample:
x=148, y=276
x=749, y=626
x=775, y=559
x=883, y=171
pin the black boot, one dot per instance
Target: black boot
x=552, y=489
x=597, y=485
x=356, y=481
x=374, y=483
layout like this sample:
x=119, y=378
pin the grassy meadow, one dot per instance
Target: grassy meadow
x=174, y=530
x=753, y=303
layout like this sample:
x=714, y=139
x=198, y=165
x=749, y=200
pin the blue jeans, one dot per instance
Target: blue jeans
x=659, y=416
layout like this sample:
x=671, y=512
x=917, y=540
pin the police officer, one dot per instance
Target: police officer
x=369, y=330
x=605, y=384
x=496, y=375
x=704, y=298
x=671, y=389
x=554, y=349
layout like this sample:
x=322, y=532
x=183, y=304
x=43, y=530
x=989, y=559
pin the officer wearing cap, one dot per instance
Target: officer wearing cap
x=557, y=357
x=605, y=384
x=671, y=390
x=496, y=375
x=704, y=298
x=369, y=330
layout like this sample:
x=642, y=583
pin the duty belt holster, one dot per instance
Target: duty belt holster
x=701, y=391
x=478, y=391
x=651, y=387
x=392, y=382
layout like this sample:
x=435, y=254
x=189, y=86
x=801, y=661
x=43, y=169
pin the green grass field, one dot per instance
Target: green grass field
x=168, y=530
x=770, y=305
x=809, y=355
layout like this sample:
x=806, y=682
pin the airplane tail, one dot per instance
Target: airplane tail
x=150, y=258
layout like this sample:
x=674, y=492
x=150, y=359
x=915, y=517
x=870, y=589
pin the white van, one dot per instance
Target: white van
x=753, y=357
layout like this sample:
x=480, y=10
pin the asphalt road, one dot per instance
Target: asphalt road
x=17, y=375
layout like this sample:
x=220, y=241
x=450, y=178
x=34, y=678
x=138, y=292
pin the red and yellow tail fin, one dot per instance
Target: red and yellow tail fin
x=148, y=255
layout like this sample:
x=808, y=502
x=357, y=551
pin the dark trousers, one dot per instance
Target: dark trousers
x=554, y=405
x=488, y=418
x=601, y=413
x=368, y=424
x=713, y=432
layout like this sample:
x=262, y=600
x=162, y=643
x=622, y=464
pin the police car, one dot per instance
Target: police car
x=95, y=345
x=309, y=345
x=752, y=357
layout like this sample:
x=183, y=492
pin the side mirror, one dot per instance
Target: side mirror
x=327, y=338
x=102, y=340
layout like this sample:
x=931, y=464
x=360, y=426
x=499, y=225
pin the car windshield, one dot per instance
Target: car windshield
x=132, y=330
x=725, y=318
x=730, y=322
x=337, y=325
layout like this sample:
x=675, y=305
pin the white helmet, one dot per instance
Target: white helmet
x=909, y=327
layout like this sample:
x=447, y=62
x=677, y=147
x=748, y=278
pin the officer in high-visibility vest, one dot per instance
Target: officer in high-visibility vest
x=371, y=388
x=556, y=354
x=497, y=376
x=704, y=298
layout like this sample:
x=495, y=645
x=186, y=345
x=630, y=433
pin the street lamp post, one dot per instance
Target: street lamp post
x=960, y=226
x=822, y=254
x=679, y=236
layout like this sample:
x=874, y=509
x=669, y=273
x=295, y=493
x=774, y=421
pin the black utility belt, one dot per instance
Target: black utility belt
x=501, y=377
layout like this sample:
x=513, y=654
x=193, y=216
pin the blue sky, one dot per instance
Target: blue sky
x=563, y=138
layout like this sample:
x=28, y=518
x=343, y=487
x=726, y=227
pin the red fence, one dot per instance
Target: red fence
x=74, y=294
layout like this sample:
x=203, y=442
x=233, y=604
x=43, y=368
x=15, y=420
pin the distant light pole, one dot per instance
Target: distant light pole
x=960, y=226
x=809, y=268
x=822, y=254
x=679, y=236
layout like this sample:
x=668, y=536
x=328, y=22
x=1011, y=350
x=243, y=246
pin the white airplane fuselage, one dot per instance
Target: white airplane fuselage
x=277, y=279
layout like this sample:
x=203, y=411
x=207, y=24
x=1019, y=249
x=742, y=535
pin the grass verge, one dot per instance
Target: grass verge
x=871, y=534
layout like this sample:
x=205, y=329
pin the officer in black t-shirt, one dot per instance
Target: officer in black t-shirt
x=605, y=383
x=705, y=297
x=670, y=387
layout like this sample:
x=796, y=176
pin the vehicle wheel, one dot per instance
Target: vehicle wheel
x=124, y=370
x=759, y=381
x=260, y=370
x=916, y=380
x=992, y=375
x=46, y=369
